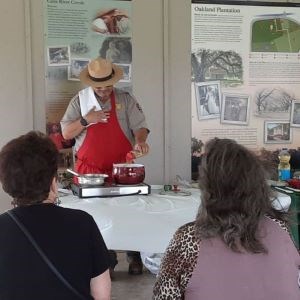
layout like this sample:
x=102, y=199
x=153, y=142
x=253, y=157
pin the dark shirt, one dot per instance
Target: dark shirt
x=196, y=161
x=71, y=240
x=295, y=160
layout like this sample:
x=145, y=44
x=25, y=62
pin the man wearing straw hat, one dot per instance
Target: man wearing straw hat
x=106, y=123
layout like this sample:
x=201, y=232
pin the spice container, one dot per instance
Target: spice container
x=132, y=155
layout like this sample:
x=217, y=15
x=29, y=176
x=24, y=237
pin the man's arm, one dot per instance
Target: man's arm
x=137, y=123
x=73, y=129
x=140, y=136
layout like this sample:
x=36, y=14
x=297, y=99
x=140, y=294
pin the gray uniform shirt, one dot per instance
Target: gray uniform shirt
x=128, y=110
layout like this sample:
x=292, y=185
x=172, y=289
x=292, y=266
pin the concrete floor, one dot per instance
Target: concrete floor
x=131, y=287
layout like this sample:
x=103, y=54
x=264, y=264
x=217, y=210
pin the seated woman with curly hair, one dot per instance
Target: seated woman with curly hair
x=238, y=247
x=46, y=251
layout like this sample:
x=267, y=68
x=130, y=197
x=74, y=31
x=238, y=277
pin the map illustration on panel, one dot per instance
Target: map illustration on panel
x=275, y=33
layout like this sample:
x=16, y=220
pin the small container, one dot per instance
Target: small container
x=167, y=187
x=284, y=168
x=296, y=175
x=294, y=183
x=136, y=153
x=132, y=155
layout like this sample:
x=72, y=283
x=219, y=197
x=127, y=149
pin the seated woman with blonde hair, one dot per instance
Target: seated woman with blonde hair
x=46, y=251
x=238, y=247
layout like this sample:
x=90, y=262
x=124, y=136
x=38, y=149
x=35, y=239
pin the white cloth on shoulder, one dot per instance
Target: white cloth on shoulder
x=87, y=100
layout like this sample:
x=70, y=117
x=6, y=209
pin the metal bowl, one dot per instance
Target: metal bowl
x=89, y=179
x=92, y=179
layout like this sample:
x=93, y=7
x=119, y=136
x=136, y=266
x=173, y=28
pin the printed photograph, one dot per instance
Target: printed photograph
x=277, y=132
x=59, y=56
x=273, y=103
x=111, y=21
x=79, y=48
x=58, y=73
x=208, y=97
x=224, y=66
x=76, y=66
x=295, y=114
x=235, y=109
x=117, y=50
x=126, y=72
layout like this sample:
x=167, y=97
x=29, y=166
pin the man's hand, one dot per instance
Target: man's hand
x=96, y=116
x=142, y=147
x=140, y=140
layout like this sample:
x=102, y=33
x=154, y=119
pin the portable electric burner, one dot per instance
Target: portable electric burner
x=89, y=191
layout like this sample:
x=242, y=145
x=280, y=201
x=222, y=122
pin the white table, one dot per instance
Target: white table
x=144, y=223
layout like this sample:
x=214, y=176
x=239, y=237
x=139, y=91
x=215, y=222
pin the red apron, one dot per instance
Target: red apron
x=104, y=144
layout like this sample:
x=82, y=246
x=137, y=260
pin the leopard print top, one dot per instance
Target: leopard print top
x=177, y=265
x=179, y=262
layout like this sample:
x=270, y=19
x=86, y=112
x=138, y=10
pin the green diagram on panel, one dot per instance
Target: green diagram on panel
x=277, y=34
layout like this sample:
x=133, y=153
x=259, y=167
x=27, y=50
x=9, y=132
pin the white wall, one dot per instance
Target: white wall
x=177, y=86
x=16, y=108
x=147, y=41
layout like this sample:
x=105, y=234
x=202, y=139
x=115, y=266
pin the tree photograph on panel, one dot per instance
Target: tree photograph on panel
x=225, y=66
x=273, y=103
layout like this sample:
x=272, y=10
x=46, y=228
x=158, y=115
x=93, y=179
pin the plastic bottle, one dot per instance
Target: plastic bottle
x=284, y=168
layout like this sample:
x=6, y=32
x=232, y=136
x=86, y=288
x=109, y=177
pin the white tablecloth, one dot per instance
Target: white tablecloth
x=144, y=223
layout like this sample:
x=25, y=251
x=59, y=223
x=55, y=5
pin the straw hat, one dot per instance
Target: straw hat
x=101, y=73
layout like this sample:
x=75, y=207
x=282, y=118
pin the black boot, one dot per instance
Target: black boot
x=135, y=263
x=113, y=261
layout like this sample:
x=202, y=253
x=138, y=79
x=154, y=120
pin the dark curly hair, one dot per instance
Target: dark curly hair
x=235, y=196
x=28, y=165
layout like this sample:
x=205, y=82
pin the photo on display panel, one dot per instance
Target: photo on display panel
x=126, y=72
x=295, y=114
x=58, y=55
x=111, y=21
x=76, y=66
x=235, y=109
x=208, y=97
x=273, y=103
x=277, y=132
x=79, y=48
x=117, y=50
